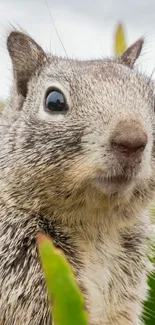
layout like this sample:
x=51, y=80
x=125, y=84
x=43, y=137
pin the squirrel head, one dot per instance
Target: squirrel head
x=81, y=129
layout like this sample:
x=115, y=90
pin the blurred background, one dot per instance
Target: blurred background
x=86, y=28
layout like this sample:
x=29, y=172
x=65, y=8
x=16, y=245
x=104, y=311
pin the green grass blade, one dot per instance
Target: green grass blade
x=119, y=42
x=149, y=306
x=67, y=303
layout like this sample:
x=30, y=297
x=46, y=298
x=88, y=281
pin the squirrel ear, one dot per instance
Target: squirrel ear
x=132, y=53
x=26, y=56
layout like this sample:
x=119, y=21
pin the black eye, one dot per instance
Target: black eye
x=55, y=101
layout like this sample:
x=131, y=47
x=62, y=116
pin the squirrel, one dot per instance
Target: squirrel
x=77, y=163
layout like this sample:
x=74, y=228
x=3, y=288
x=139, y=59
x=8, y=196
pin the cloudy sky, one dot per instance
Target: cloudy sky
x=86, y=28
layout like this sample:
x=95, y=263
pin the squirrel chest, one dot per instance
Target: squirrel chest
x=111, y=276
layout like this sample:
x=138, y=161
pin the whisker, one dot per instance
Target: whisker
x=58, y=35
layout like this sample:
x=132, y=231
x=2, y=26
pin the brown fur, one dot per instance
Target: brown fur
x=61, y=175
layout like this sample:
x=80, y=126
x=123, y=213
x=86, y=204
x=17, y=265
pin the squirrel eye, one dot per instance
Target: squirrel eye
x=55, y=101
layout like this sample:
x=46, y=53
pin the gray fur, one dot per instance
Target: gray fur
x=59, y=174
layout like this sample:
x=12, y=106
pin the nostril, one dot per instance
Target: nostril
x=129, y=143
x=129, y=138
x=128, y=148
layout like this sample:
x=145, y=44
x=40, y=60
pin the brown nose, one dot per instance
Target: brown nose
x=129, y=138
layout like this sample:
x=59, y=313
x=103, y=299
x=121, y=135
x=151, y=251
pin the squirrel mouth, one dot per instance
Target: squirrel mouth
x=117, y=178
x=113, y=184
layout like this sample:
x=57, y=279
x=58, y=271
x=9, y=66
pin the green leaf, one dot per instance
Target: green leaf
x=149, y=306
x=120, y=42
x=67, y=303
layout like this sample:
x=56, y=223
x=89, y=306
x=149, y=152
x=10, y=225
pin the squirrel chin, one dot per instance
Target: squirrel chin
x=114, y=186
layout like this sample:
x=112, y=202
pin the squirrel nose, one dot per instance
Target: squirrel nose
x=129, y=138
